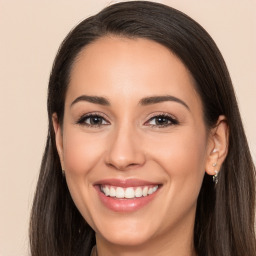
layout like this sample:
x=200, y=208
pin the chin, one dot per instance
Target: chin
x=127, y=239
x=127, y=232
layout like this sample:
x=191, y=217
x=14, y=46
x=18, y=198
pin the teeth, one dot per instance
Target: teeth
x=145, y=191
x=150, y=191
x=112, y=192
x=138, y=192
x=131, y=192
x=154, y=189
x=106, y=191
x=119, y=192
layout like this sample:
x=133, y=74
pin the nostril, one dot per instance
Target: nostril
x=123, y=167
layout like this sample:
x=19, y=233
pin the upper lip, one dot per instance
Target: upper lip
x=125, y=182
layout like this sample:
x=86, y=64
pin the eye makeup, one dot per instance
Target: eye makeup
x=155, y=120
x=161, y=120
x=93, y=120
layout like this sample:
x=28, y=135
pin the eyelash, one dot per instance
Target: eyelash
x=167, y=118
x=170, y=120
x=82, y=120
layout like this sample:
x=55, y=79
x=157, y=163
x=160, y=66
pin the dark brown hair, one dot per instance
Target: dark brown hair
x=224, y=224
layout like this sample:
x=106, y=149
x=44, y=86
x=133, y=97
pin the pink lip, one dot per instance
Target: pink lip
x=125, y=183
x=124, y=205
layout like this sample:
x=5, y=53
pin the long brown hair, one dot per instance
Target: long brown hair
x=224, y=224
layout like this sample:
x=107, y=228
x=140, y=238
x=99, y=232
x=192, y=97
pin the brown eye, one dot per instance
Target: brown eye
x=162, y=121
x=92, y=120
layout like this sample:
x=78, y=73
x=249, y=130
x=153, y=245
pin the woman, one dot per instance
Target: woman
x=146, y=152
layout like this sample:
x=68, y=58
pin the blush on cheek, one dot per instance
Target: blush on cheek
x=182, y=155
x=80, y=154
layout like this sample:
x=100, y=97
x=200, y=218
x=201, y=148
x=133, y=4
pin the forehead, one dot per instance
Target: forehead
x=130, y=68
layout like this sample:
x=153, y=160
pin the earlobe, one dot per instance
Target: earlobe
x=58, y=138
x=217, y=148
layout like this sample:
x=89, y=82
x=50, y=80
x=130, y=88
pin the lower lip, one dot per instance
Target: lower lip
x=125, y=205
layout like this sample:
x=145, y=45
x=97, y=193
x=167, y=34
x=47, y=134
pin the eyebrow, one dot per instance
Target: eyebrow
x=144, y=101
x=92, y=99
x=158, y=99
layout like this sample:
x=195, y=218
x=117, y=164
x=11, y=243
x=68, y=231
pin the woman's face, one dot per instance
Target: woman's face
x=134, y=145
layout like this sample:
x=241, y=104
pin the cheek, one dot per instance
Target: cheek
x=184, y=149
x=80, y=151
x=182, y=155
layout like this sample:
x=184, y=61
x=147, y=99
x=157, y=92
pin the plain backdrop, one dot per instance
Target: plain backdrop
x=30, y=34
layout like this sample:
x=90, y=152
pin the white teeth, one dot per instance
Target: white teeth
x=107, y=193
x=106, y=190
x=155, y=189
x=150, y=191
x=138, y=192
x=145, y=191
x=119, y=192
x=130, y=192
x=112, y=192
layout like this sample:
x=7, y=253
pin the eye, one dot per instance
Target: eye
x=161, y=121
x=92, y=120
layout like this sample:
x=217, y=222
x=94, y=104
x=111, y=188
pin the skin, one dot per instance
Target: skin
x=129, y=143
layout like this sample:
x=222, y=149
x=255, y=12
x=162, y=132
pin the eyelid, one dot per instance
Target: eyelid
x=174, y=120
x=91, y=114
x=160, y=113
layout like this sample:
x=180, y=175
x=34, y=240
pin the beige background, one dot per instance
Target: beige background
x=30, y=33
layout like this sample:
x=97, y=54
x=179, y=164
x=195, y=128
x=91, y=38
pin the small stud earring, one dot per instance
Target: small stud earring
x=215, y=177
x=214, y=164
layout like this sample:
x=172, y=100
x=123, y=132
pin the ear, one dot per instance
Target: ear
x=58, y=138
x=217, y=146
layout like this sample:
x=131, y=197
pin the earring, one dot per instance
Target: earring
x=214, y=164
x=215, y=177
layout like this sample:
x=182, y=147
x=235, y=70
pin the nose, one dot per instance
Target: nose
x=125, y=150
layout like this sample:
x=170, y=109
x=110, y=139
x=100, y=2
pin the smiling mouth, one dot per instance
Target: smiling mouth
x=129, y=192
x=126, y=195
